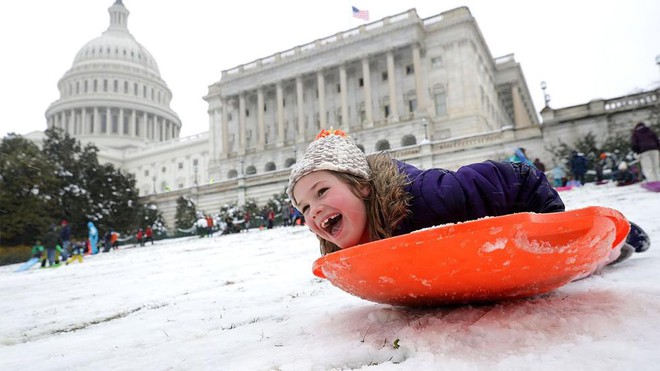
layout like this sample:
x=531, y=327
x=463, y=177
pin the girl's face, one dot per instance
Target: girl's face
x=331, y=209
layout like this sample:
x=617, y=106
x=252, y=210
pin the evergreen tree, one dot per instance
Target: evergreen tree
x=88, y=190
x=27, y=191
x=185, y=213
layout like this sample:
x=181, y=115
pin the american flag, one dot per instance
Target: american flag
x=361, y=14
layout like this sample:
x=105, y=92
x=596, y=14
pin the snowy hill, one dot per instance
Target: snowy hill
x=250, y=302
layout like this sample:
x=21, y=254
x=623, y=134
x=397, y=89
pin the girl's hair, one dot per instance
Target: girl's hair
x=388, y=202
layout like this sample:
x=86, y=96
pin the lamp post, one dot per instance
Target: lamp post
x=242, y=162
x=546, y=97
x=195, y=169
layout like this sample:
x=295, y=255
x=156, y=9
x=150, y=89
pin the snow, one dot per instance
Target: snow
x=250, y=302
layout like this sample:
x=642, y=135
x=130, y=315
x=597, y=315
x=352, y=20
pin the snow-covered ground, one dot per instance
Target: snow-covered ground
x=250, y=302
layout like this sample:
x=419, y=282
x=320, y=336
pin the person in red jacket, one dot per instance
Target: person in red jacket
x=149, y=235
x=140, y=237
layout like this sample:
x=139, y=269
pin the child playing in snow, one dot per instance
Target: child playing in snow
x=348, y=198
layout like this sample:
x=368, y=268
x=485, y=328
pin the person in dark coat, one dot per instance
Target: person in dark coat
x=338, y=182
x=645, y=143
x=65, y=236
x=579, y=166
x=52, y=243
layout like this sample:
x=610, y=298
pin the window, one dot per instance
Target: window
x=135, y=89
x=247, y=112
x=96, y=85
x=229, y=116
x=410, y=69
x=338, y=88
x=440, y=103
x=436, y=62
x=412, y=105
x=105, y=85
x=146, y=173
x=195, y=162
x=384, y=76
x=115, y=86
x=361, y=82
x=386, y=110
x=125, y=87
x=180, y=165
x=163, y=169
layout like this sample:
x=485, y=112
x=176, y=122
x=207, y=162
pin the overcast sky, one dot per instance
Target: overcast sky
x=583, y=50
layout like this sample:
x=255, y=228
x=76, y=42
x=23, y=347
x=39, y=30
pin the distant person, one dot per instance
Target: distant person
x=520, y=155
x=140, y=237
x=558, y=176
x=65, y=236
x=52, y=243
x=149, y=233
x=645, y=143
x=579, y=167
x=539, y=165
x=93, y=238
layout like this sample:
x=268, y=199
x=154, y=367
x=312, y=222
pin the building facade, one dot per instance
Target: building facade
x=426, y=89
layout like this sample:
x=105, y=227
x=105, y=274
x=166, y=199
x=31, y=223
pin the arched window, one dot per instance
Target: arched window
x=270, y=166
x=250, y=170
x=408, y=140
x=289, y=162
x=382, y=145
x=232, y=174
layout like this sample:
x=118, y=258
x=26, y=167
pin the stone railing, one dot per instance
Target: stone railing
x=317, y=44
x=632, y=101
x=468, y=141
x=600, y=106
x=372, y=27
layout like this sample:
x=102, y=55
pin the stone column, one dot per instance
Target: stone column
x=214, y=115
x=419, y=83
x=366, y=78
x=391, y=79
x=241, y=123
x=224, y=132
x=343, y=96
x=261, y=127
x=120, y=122
x=280, y=114
x=83, y=121
x=301, y=110
x=321, y=89
x=145, y=126
x=96, y=122
x=108, y=121
x=132, y=128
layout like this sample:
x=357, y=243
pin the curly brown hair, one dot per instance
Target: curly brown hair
x=388, y=202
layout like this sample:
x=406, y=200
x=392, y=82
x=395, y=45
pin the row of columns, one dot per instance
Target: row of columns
x=81, y=122
x=320, y=80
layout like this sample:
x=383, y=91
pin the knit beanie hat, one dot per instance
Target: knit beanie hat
x=331, y=150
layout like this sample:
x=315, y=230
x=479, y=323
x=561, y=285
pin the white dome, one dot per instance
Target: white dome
x=116, y=43
x=113, y=94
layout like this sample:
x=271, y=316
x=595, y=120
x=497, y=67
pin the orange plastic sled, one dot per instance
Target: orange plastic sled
x=485, y=260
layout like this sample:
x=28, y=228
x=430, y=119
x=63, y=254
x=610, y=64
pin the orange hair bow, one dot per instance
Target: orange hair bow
x=326, y=132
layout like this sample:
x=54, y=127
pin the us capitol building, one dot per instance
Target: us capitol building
x=426, y=89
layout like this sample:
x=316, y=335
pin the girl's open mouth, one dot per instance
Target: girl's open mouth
x=332, y=224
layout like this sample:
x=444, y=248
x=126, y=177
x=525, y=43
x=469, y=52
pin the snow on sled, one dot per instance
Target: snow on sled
x=652, y=186
x=486, y=260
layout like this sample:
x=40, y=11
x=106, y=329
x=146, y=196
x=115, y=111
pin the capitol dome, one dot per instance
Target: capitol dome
x=113, y=94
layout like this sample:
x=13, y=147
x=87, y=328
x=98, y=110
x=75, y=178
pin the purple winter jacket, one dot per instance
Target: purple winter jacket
x=643, y=139
x=475, y=191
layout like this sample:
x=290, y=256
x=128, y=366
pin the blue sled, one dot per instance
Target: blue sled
x=27, y=265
